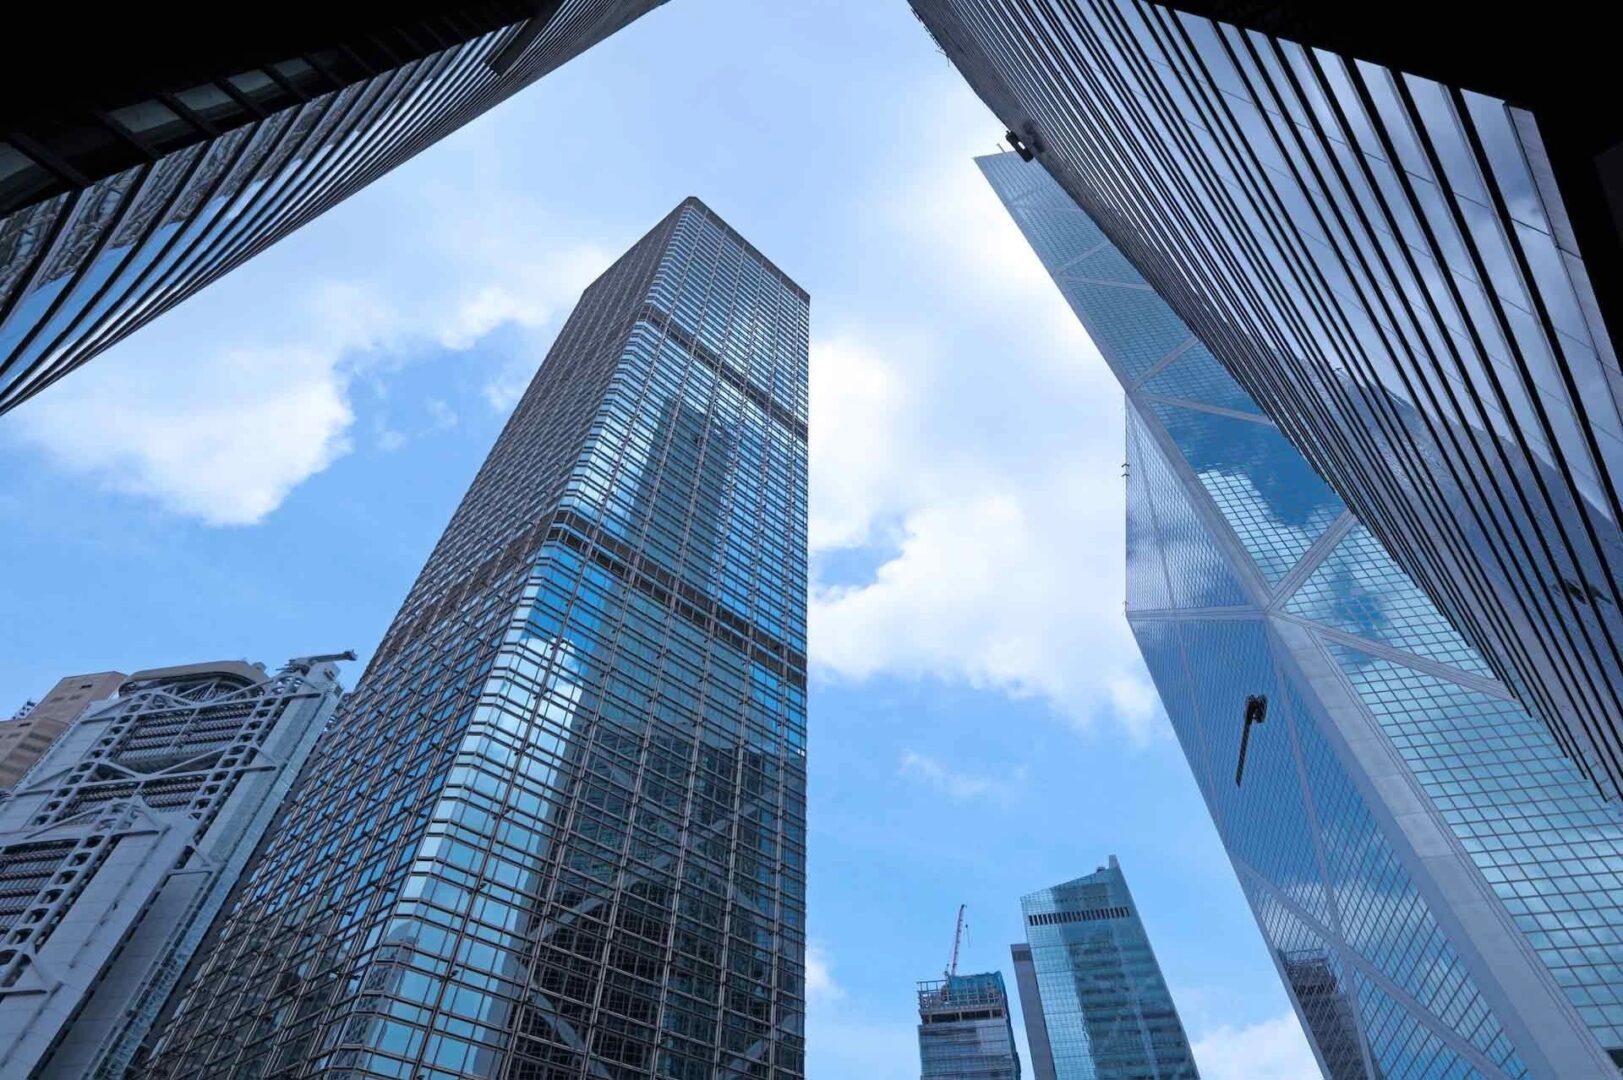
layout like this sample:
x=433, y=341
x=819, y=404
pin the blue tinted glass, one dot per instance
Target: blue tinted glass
x=1271, y=497
x=1360, y=589
x=1197, y=376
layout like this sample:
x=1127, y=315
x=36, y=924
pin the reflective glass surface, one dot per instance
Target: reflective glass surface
x=79, y=271
x=1373, y=709
x=1385, y=264
x=1105, y=1005
x=559, y=830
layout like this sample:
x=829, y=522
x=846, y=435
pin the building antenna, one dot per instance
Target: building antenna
x=957, y=940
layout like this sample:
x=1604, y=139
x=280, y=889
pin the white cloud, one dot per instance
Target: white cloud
x=820, y=984
x=956, y=785
x=1274, y=1049
x=221, y=408
x=981, y=471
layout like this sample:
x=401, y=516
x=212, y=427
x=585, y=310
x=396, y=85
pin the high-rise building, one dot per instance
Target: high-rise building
x=1095, y=1003
x=27, y=735
x=133, y=176
x=964, y=1029
x=559, y=829
x=1440, y=886
x=1398, y=230
x=120, y=846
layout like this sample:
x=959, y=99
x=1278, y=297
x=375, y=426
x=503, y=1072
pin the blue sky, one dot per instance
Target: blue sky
x=262, y=472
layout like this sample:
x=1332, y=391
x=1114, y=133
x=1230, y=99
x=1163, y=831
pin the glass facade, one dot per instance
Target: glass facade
x=1438, y=882
x=964, y=1029
x=1095, y=1004
x=559, y=830
x=110, y=221
x=1386, y=264
x=123, y=842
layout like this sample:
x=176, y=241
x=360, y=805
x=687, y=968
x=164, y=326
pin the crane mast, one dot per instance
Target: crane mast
x=957, y=940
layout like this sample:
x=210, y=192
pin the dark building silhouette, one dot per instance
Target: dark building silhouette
x=1395, y=226
x=168, y=143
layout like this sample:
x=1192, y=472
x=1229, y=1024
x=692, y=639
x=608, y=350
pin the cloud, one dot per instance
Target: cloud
x=979, y=472
x=222, y=407
x=820, y=984
x=959, y=786
x=849, y=1041
x=1274, y=1049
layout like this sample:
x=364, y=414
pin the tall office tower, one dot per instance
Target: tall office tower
x=1091, y=991
x=147, y=167
x=1441, y=887
x=119, y=848
x=1400, y=243
x=964, y=1029
x=558, y=832
x=26, y=736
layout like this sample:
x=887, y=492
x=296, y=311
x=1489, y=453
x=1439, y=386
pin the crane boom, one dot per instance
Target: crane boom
x=957, y=940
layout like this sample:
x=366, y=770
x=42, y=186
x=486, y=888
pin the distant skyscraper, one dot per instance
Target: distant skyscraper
x=1095, y=1004
x=26, y=736
x=119, y=849
x=164, y=159
x=1404, y=243
x=964, y=1029
x=559, y=829
x=1441, y=887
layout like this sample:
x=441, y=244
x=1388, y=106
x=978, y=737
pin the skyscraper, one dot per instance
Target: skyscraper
x=160, y=164
x=26, y=736
x=1403, y=245
x=121, y=845
x=1091, y=991
x=964, y=1029
x=559, y=829
x=1440, y=886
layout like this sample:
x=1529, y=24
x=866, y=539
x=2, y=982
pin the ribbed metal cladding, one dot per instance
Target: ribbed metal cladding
x=81, y=269
x=1385, y=264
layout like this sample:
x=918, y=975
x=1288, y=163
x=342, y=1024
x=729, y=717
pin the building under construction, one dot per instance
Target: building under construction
x=964, y=1029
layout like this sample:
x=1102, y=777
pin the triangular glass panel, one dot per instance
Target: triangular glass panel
x=1172, y=560
x=1133, y=328
x=1256, y=791
x=1013, y=178
x=1196, y=375
x=1272, y=499
x=1360, y=589
x=1106, y=264
x=1405, y=1048
x=1317, y=978
x=1057, y=236
x=1383, y=917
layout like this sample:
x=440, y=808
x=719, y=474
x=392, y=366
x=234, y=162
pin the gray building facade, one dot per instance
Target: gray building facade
x=121, y=845
x=1438, y=883
x=1396, y=228
x=167, y=163
x=558, y=832
x=1095, y=1002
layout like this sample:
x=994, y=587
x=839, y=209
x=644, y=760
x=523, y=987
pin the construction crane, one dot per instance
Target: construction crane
x=957, y=940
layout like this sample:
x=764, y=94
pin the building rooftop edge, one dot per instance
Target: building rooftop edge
x=700, y=204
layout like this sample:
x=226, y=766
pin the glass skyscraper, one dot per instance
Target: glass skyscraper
x=1440, y=886
x=558, y=832
x=1404, y=246
x=964, y=1029
x=163, y=163
x=1095, y=1003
